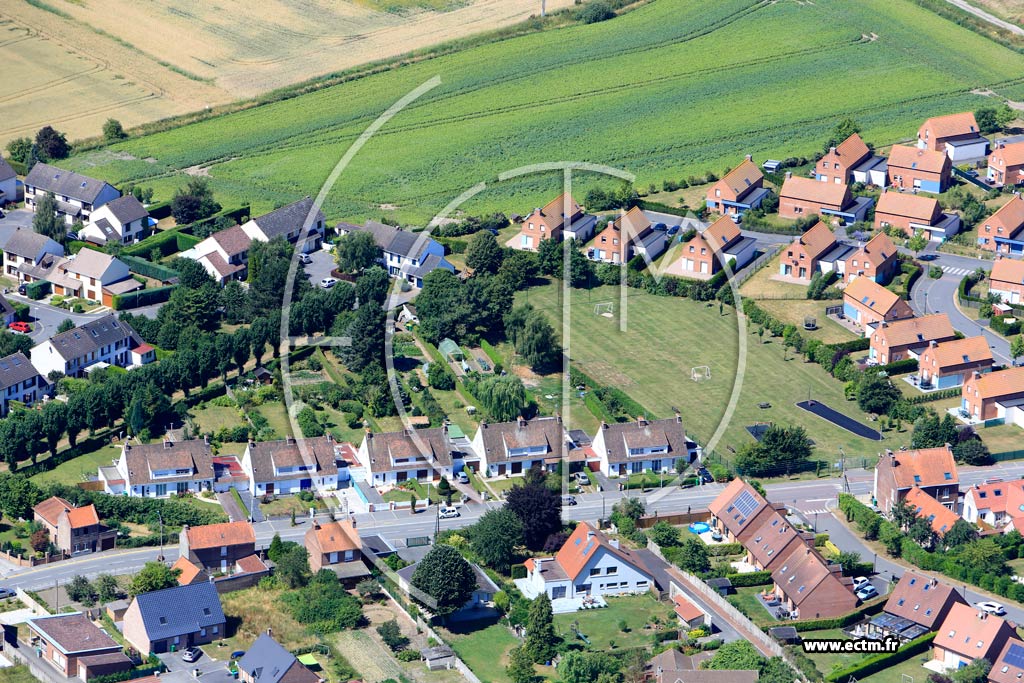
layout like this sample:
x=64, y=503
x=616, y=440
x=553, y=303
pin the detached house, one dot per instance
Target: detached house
x=902, y=339
x=93, y=275
x=913, y=168
x=954, y=135
x=1007, y=280
x=19, y=382
x=266, y=661
x=405, y=255
x=811, y=587
x=995, y=397
x=800, y=259
x=1001, y=232
x=121, y=221
x=560, y=218
x=104, y=340
x=217, y=547
x=160, y=469
x=513, y=448
x=77, y=196
x=801, y=197
x=8, y=183
x=948, y=364
x=875, y=261
x=868, y=303
x=588, y=564
x=291, y=465
x=224, y=254
x=287, y=222
x=423, y=454
x=922, y=600
x=740, y=190
x=995, y=504
x=179, y=617
x=627, y=236
x=77, y=647
x=336, y=546
x=933, y=470
x=719, y=243
x=1009, y=665
x=851, y=161
x=968, y=634
x=1006, y=164
x=911, y=213
x=74, y=530
x=643, y=445
x=27, y=249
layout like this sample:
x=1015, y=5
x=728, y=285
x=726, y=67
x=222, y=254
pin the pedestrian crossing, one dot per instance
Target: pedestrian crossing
x=956, y=271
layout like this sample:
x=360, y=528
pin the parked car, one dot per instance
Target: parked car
x=927, y=257
x=991, y=607
x=568, y=500
x=304, y=259
x=191, y=654
x=446, y=512
x=22, y=289
x=7, y=593
x=705, y=475
x=18, y=326
x=463, y=478
x=673, y=230
x=581, y=478
x=859, y=582
x=328, y=282
x=867, y=592
x=72, y=235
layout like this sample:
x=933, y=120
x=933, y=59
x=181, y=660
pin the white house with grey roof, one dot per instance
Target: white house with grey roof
x=287, y=222
x=26, y=248
x=643, y=445
x=77, y=195
x=8, y=183
x=512, y=448
x=104, y=340
x=405, y=255
x=291, y=465
x=160, y=469
x=425, y=455
x=121, y=221
x=19, y=381
x=224, y=254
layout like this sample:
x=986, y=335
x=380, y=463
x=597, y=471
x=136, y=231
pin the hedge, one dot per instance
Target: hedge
x=859, y=344
x=143, y=297
x=724, y=549
x=235, y=215
x=883, y=660
x=899, y=367
x=149, y=269
x=820, y=540
x=18, y=167
x=37, y=290
x=662, y=208
x=159, y=210
x=1007, y=329
x=452, y=246
x=940, y=395
x=166, y=242
x=867, y=609
x=748, y=579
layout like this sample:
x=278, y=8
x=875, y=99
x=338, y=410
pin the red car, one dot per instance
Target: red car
x=24, y=328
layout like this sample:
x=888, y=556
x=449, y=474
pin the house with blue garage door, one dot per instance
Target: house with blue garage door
x=911, y=168
x=948, y=364
x=866, y=302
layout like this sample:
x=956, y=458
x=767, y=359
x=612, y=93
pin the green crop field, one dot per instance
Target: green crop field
x=672, y=88
x=665, y=337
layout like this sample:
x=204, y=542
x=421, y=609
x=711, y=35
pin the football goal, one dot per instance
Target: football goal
x=701, y=372
x=607, y=309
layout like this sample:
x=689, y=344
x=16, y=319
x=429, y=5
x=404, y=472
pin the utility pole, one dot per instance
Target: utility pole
x=160, y=516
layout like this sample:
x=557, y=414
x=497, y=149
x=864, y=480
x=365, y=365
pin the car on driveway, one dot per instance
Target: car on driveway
x=328, y=282
x=448, y=512
x=991, y=607
x=581, y=478
x=867, y=592
x=860, y=582
x=19, y=326
x=463, y=478
x=191, y=654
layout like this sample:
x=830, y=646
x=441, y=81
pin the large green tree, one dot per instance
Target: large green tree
x=153, y=576
x=541, y=639
x=483, y=254
x=445, y=576
x=193, y=202
x=502, y=398
x=52, y=144
x=356, y=251
x=876, y=393
x=46, y=222
x=520, y=666
x=496, y=537
x=538, y=508
x=17, y=496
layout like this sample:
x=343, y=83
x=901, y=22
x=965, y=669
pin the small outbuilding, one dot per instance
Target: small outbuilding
x=438, y=657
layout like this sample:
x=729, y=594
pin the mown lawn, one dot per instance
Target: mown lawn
x=794, y=313
x=285, y=505
x=211, y=418
x=826, y=662
x=665, y=337
x=745, y=600
x=79, y=469
x=602, y=626
x=277, y=415
x=484, y=648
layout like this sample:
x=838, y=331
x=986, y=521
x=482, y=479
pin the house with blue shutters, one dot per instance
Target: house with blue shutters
x=405, y=255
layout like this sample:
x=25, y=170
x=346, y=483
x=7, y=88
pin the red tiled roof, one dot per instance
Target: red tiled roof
x=51, y=508
x=251, y=564
x=916, y=207
x=1008, y=270
x=741, y=178
x=217, y=535
x=950, y=125
x=808, y=189
x=925, y=467
x=189, y=571
x=581, y=546
x=83, y=516
x=969, y=632
x=333, y=537
x=938, y=515
x=949, y=354
x=817, y=240
x=903, y=156
x=1011, y=214
x=999, y=383
x=917, y=330
x=869, y=293
x=686, y=610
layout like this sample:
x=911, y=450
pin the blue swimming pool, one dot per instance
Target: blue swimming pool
x=699, y=527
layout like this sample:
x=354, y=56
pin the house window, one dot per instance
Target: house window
x=223, y=551
x=595, y=571
x=612, y=570
x=718, y=193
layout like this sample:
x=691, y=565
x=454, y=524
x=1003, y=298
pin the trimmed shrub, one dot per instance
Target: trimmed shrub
x=149, y=269
x=900, y=367
x=724, y=549
x=37, y=290
x=143, y=297
x=748, y=579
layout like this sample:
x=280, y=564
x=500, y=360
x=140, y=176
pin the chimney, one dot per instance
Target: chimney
x=558, y=417
x=522, y=421
x=613, y=542
x=483, y=424
x=330, y=437
x=831, y=150
x=290, y=440
x=408, y=432
x=604, y=425
x=933, y=343
x=750, y=157
x=679, y=416
x=976, y=375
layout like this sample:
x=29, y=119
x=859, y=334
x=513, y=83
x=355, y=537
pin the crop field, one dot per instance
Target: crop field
x=672, y=88
x=78, y=62
x=665, y=337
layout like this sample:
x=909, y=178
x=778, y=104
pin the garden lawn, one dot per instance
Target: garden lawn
x=1003, y=439
x=601, y=626
x=484, y=650
x=826, y=662
x=79, y=469
x=794, y=312
x=285, y=505
x=277, y=416
x=17, y=674
x=212, y=419
x=913, y=667
x=745, y=600
x=665, y=337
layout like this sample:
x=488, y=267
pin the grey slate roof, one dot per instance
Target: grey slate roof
x=266, y=456
x=91, y=336
x=6, y=172
x=268, y=662
x=500, y=438
x=29, y=244
x=180, y=610
x=280, y=222
x=385, y=450
x=840, y=252
x=6, y=308
x=648, y=433
x=391, y=239
x=127, y=209
x=64, y=183
x=15, y=369
x=143, y=459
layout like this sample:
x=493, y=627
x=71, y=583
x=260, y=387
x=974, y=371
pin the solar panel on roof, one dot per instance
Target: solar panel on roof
x=1015, y=656
x=746, y=504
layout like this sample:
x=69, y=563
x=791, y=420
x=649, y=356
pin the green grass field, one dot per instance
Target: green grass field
x=700, y=89
x=666, y=337
x=78, y=469
x=211, y=418
x=484, y=650
x=601, y=626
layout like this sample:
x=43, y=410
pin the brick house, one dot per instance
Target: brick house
x=75, y=530
x=178, y=617
x=939, y=517
x=955, y=135
x=922, y=599
x=933, y=470
x=944, y=365
x=994, y=504
x=719, y=243
x=336, y=546
x=994, y=396
x=910, y=213
x=811, y=587
x=968, y=634
x=801, y=197
x=1001, y=232
x=76, y=646
x=875, y=261
x=630, y=234
x=800, y=259
x=739, y=190
x=902, y=339
x=913, y=168
x=642, y=446
x=1006, y=164
x=550, y=221
x=1007, y=280
x=868, y=303
x=217, y=546
x=837, y=165
x=1008, y=667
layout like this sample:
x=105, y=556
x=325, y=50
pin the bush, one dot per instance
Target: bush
x=392, y=636
x=143, y=297
x=762, y=578
x=408, y=656
x=148, y=269
x=1001, y=325
x=37, y=290
x=595, y=11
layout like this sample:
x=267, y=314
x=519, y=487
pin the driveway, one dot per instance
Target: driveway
x=234, y=511
x=210, y=670
x=321, y=266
